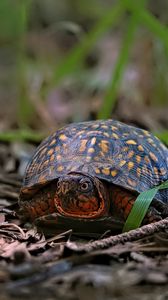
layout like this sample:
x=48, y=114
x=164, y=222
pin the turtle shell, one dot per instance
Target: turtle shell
x=110, y=150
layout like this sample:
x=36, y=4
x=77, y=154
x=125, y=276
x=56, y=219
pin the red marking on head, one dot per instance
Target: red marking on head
x=81, y=196
x=91, y=208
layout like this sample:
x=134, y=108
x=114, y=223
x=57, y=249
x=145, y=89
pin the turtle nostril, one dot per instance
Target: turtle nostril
x=64, y=187
x=58, y=184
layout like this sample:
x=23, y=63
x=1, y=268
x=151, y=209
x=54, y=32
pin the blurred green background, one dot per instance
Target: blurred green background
x=74, y=60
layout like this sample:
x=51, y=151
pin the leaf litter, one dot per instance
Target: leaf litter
x=33, y=265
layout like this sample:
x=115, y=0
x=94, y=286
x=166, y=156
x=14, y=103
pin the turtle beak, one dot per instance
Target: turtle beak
x=64, y=187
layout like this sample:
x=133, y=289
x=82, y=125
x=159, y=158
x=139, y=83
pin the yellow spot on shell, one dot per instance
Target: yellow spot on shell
x=88, y=158
x=130, y=165
x=140, y=148
x=95, y=126
x=153, y=156
x=130, y=154
x=46, y=162
x=147, y=160
x=115, y=135
x=146, y=132
x=52, y=157
x=114, y=128
x=125, y=149
x=104, y=126
x=50, y=152
x=91, y=150
x=63, y=137
x=114, y=173
x=57, y=148
x=163, y=171
x=97, y=171
x=131, y=142
x=150, y=141
x=106, y=171
x=104, y=145
x=43, y=152
x=58, y=157
x=138, y=172
x=93, y=141
x=122, y=163
x=81, y=134
x=82, y=146
x=60, y=168
x=101, y=153
x=156, y=171
x=65, y=145
x=42, y=179
x=106, y=134
x=131, y=182
x=145, y=170
x=53, y=142
x=138, y=159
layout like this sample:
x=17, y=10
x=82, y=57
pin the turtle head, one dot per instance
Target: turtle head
x=81, y=196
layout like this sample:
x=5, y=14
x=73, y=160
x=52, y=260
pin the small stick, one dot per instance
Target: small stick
x=130, y=236
x=14, y=226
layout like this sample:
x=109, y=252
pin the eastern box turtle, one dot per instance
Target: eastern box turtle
x=93, y=171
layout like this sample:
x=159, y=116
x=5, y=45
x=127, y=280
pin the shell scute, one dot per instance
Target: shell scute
x=110, y=150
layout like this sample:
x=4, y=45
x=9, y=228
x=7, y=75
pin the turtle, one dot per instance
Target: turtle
x=94, y=170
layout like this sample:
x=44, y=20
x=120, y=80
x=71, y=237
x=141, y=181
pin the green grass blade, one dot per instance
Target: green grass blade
x=151, y=22
x=155, y=26
x=76, y=56
x=24, y=106
x=111, y=93
x=21, y=135
x=139, y=14
x=141, y=206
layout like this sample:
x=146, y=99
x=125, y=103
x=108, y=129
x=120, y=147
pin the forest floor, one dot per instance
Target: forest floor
x=35, y=266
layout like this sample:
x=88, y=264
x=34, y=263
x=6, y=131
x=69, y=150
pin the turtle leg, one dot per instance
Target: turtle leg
x=123, y=201
x=41, y=204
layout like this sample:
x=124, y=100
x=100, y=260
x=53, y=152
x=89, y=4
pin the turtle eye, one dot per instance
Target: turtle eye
x=85, y=186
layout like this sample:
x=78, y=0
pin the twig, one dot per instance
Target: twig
x=5, y=178
x=130, y=236
x=14, y=226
